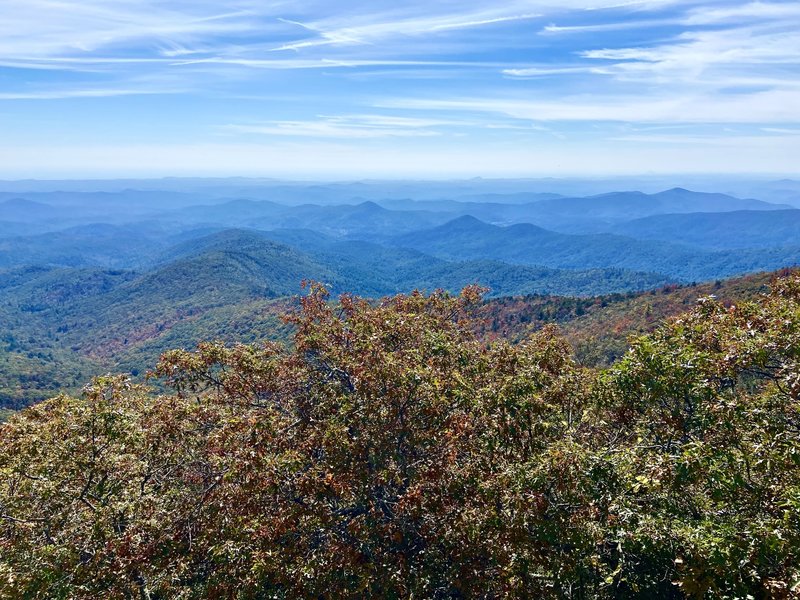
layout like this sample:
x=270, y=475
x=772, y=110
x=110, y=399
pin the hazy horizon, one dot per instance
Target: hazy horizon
x=668, y=179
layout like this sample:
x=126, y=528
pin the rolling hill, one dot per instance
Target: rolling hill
x=92, y=245
x=467, y=238
x=65, y=324
x=724, y=230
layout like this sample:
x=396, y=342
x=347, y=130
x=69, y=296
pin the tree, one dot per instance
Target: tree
x=392, y=453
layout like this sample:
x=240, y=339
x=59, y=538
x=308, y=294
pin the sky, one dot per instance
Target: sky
x=348, y=89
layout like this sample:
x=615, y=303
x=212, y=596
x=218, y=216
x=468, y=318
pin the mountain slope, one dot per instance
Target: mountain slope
x=599, y=328
x=370, y=269
x=24, y=211
x=37, y=354
x=738, y=229
x=63, y=324
x=467, y=238
x=94, y=245
x=596, y=214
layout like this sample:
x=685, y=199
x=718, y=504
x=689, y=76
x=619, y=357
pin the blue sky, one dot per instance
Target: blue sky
x=376, y=88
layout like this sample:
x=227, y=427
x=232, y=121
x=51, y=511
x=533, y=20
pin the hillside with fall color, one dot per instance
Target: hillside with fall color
x=601, y=328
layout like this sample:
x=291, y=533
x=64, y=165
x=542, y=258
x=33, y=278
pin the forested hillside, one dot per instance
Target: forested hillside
x=63, y=326
x=600, y=328
x=389, y=452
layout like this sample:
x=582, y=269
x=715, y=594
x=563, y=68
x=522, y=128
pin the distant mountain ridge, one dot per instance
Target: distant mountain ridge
x=596, y=213
x=467, y=238
x=592, y=214
x=725, y=230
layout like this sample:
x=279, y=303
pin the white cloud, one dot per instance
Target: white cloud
x=47, y=28
x=781, y=130
x=773, y=106
x=43, y=29
x=330, y=63
x=530, y=72
x=743, y=13
x=722, y=45
x=721, y=141
x=348, y=127
x=617, y=26
x=378, y=29
x=62, y=94
x=722, y=62
x=746, y=45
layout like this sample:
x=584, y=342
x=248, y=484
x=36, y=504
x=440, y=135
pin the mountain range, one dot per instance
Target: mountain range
x=95, y=279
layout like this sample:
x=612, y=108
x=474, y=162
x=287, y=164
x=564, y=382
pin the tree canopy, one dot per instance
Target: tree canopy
x=391, y=452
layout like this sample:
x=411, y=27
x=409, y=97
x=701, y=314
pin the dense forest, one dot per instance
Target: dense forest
x=392, y=450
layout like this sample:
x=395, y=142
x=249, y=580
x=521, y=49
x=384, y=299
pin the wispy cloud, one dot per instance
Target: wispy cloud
x=748, y=45
x=552, y=28
x=752, y=51
x=713, y=50
x=738, y=140
x=378, y=30
x=64, y=94
x=782, y=130
x=545, y=71
x=45, y=28
x=331, y=63
x=738, y=13
x=408, y=75
x=347, y=127
x=774, y=106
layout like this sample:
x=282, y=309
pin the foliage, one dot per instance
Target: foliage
x=710, y=406
x=392, y=453
x=600, y=328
